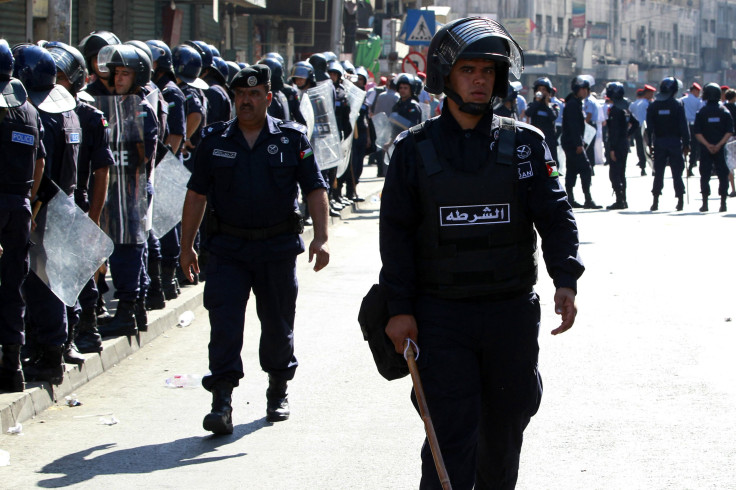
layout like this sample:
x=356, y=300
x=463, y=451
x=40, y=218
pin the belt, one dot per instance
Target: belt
x=295, y=224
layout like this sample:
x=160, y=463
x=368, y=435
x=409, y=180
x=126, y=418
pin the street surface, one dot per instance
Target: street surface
x=640, y=394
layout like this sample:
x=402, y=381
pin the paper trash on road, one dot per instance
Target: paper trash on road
x=16, y=430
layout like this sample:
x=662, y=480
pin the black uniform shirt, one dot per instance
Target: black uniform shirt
x=667, y=123
x=174, y=97
x=713, y=122
x=219, y=106
x=573, y=123
x=94, y=152
x=467, y=150
x=409, y=109
x=21, y=133
x=61, y=130
x=621, y=124
x=255, y=188
x=193, y=104
x=543, y=116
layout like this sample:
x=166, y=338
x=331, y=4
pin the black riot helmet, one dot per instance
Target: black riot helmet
x=362, y=72
x=303, y=69
x=277, y=72
x=578, y=83
x=406, y=78
x=274, y=54
x=35, y=68
x=12, y=91
x=319, y=64
x=187, y=63
x=221, y=72
x=543, y=82
x=6, y=60
x=335, y=67
x=161, y=55
x=94, y=42
x=232, y=69
x=669, y=87
x=712, y=93
x=471, y=38
x=348, y=67
x=204, y=52
x=70, y=61
x=417, y=85
x=127, y=56
x=215, y=52
x=329, y=56
x=615, y=91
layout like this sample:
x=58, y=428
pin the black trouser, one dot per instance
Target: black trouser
x=664, y=155
x=478, y=365
x=577, y=164
x=708, y=162
x=640, y=151
x=15, y=230
x=617, y=169
x=695, y=150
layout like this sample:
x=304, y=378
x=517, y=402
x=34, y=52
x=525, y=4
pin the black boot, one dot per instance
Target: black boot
x=141, y=317
x=623, y=195
x=619, y=204
x=47, y=366
x=168, y=282
x=155, y=298
x=220, y=419
x=589, y=203
x=71, y=353
x=277, y=401
x=571, y=200
x=655, y=204
x=124, y=322
x=722, y=209
x=680, y=204
x=103, y=316
x=88, y=337
x=11, y=375
x=704, y=207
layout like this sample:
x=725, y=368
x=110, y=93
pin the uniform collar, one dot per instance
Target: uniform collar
x=449, y=122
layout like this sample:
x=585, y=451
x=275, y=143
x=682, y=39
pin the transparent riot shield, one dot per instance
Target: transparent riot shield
x=325, y=138
x=383, y=129
x=305, y=106
x=125, y=216
x=68, y=247
x=426, y=110
x=169, y=191
x=355, y=98
x=398, y=125
x=731, y=154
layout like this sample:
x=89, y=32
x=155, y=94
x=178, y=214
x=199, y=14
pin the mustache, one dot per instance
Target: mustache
x=246, y=106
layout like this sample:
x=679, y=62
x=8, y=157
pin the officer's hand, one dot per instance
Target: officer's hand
x=400, y=328
x=613, y=156
x=189, y=262
x=579, y=150
x=322, y=251
x=686, y=151
x=566, y=307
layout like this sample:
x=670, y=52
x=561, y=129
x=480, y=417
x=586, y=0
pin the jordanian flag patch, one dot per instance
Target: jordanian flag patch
x=306, y=153
x=552, y=170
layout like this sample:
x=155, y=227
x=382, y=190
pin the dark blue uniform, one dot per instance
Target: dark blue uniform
x=713, y=122
x=292, y=98
x=459, y=253
x=668, y=133
x=193, y=104
x=21, y=133
x=410, y=110
x=573, y=130
x=253, y=239
x=621, y=125
x=543, y=116
x=219, y=105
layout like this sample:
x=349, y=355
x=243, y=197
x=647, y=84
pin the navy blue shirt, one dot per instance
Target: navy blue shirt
x=94, y=152
x=573, y=123
x=193, y=104
x=174, y=97
x=255, y=188
x=21, y=133
x=219, y=107
x=61, y=131
x=667, y=123
x=713, y=122
x=543, y=116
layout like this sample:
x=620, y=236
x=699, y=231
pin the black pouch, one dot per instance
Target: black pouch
x=373, y=317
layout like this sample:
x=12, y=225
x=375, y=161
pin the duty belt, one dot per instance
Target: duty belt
x=295, y=224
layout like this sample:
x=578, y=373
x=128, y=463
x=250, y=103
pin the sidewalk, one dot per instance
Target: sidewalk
x=18, y=407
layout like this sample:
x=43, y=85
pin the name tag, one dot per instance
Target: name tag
x=714, y=119
x=664, y=112
x=73, y=138
x=224, y=154
x=22, y=138
x=480, y=214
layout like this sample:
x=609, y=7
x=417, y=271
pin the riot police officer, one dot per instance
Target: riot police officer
x=292, y=95
x=407, y=107
x=573, y=144
x=342, y=114
x=187, y=64
x=712, y=128
x=279, y=107
x=90, y=47
x=247, y=170
x=21, y=165
x=621, y=125
x=461, y=199
x=669, y=136
x=542, y=113
x=507, y=106
x=47, y=315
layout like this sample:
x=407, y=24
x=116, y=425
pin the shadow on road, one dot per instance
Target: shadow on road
x=79, y=467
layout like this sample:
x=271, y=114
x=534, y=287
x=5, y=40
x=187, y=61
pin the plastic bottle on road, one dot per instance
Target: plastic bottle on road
x=184, y=381
x=186, y=318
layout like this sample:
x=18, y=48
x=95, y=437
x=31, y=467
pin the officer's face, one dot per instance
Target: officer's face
x=300, y=82
x=124, y=78
x=251, y=103
x=473, y=79
x=404, y=90
x=334, y=76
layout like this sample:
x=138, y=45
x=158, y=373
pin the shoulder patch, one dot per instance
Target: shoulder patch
x=401, y=136
x=293, y=125
x=214, y=128
x=529, y=127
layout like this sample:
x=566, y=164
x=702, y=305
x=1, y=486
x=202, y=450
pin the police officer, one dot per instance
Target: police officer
x=342, y=114
x=247, y=170
x=279, y=107
x=90, y=47
x=507, y=107
x=713, y=127
x=361, y=142
x=218, y=100
x=130, y=71
x=542, y=113
x=669, y=136
x=692, y=104
x=407, y=107
x=93, y=165
x=47, y=315
x=187, y=64
x=620, y=126
x=638, y=110
x=319, y=63
x=461, y=199
x=573, y=130
x=291, y=93
x=21, y=167
x=303, y=76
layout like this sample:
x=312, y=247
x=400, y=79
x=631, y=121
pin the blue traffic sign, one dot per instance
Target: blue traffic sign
x=418, y=28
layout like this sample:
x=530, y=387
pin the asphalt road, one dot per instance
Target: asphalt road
x=640, y=394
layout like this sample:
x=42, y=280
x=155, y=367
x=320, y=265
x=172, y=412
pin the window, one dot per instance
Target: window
x=560, y=26
x=548, y=24
x=538, y=22
x=713, y=26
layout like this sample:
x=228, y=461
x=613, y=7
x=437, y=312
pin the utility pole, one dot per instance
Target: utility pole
x=60, y=20
x=336, y=36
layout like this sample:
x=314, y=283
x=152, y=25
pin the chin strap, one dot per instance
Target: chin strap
x=469, y=107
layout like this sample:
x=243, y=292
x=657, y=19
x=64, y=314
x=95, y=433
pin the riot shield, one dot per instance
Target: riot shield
x=426, y=110
x=125, y=216
x=325, y=138
x=731, y=154
x=383, y=129
x=305, y=106
x=68, y=247
x=398, y=124
x=169, y=190
x=355, y=98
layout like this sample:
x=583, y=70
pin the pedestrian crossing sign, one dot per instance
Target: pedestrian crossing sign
x=418, y=28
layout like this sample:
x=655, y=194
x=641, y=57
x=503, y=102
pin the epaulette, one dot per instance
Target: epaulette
x=402, y=135
x=214, y=128
x=531, y=128
x=293, y=125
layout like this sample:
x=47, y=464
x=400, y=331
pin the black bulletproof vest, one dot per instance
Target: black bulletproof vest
x=475, y=239
x=20, y=139
x=665, y=115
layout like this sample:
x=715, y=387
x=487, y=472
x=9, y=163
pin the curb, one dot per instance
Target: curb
x=38, y=396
